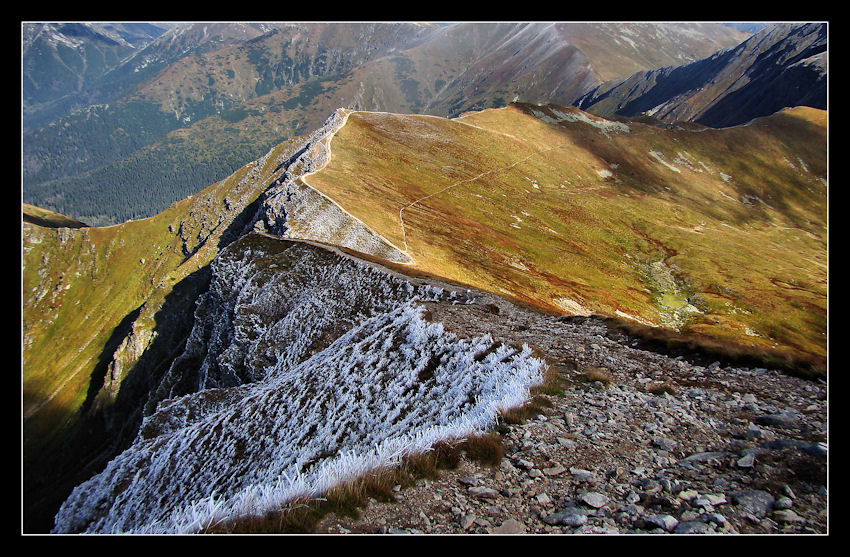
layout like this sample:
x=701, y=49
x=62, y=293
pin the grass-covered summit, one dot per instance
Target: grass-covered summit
x=715, y=234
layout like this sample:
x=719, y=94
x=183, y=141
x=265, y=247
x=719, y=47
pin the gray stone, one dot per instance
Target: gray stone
x=785, y=419
x=664, y=444
x=594, y=499
x=783, y=503
x=692, y=527
x=543, y=499
x=746, y=461
x=524, y=464
x=569, y=516
x=554, y=470
x=755, y=502
x=704, y=457
x=715, y=498
x=510, y=526
x=581, y=475
x=788, y=516
x=483, y=492
x=816, y=449
x=664, y=521
x=781, y=444
x=755, y=432
x=688, y=494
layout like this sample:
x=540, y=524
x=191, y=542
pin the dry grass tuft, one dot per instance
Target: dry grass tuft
x=486, y=449
x=661, y=388
x=594, y=374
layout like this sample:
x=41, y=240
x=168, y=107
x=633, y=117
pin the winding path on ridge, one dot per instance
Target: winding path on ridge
x=466, y=181
x=326, y=141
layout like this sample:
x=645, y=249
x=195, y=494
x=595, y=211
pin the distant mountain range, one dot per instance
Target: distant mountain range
x=201, y=100
x=782, y=65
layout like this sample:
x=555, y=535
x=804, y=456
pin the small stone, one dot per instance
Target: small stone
x=703, y=457
x=554, y=470
x=788, y=516
x=570, y=516
x=470, y=481
x=715, y=498
x=566, y=443
x=543, y=499
x=754, y=502
x=783, y=503
x=581, y=475
x=664, y=521
x=692, y=527
x=482, y=492
x=688, y=494
x=746, y=461
x=784, y=419
x=716, y=518
x=510, y=526
x=594, y=499
x=755, y=432
x=524, y=464
x=467, y=521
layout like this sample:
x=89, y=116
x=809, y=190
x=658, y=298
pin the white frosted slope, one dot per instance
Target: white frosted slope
x=393, y=384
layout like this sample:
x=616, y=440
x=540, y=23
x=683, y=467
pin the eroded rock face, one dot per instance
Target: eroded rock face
x=304, y=368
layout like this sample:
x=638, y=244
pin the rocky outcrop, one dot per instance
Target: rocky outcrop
x=637, y=442
x=291, y=209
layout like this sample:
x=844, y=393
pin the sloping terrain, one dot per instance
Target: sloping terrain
x=547, y=206
x=315, y=368
x=571, y=213
x=782, y=66
x=115, y=305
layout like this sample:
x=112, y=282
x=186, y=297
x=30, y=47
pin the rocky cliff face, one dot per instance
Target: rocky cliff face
x=304, y=368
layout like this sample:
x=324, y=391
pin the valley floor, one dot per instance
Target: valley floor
x=637, y=443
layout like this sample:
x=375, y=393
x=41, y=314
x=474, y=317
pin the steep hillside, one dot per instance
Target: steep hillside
x=116, y=303
x=208, y=113
x=572, y=213
x=48, y=219
x=783, y=65
x=99, y=303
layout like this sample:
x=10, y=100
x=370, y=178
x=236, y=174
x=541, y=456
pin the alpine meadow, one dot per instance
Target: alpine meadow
x=508, y=278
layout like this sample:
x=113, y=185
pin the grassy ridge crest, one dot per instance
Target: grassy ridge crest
x=715, y=233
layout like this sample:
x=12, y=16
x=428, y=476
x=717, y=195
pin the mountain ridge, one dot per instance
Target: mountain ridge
x=88, y=149
x=782, y=65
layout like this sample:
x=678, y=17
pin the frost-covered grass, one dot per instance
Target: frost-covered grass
x=392, y=386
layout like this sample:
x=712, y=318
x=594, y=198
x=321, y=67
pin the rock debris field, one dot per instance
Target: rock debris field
x=637, y=443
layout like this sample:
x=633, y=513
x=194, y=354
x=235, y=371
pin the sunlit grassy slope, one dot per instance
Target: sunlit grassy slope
x=715, y=233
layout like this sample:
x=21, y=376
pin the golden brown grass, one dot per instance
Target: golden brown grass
x=522, y=208
x=596, y=374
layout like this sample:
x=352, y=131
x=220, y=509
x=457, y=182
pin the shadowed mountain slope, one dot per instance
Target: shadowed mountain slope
x=782, y=66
